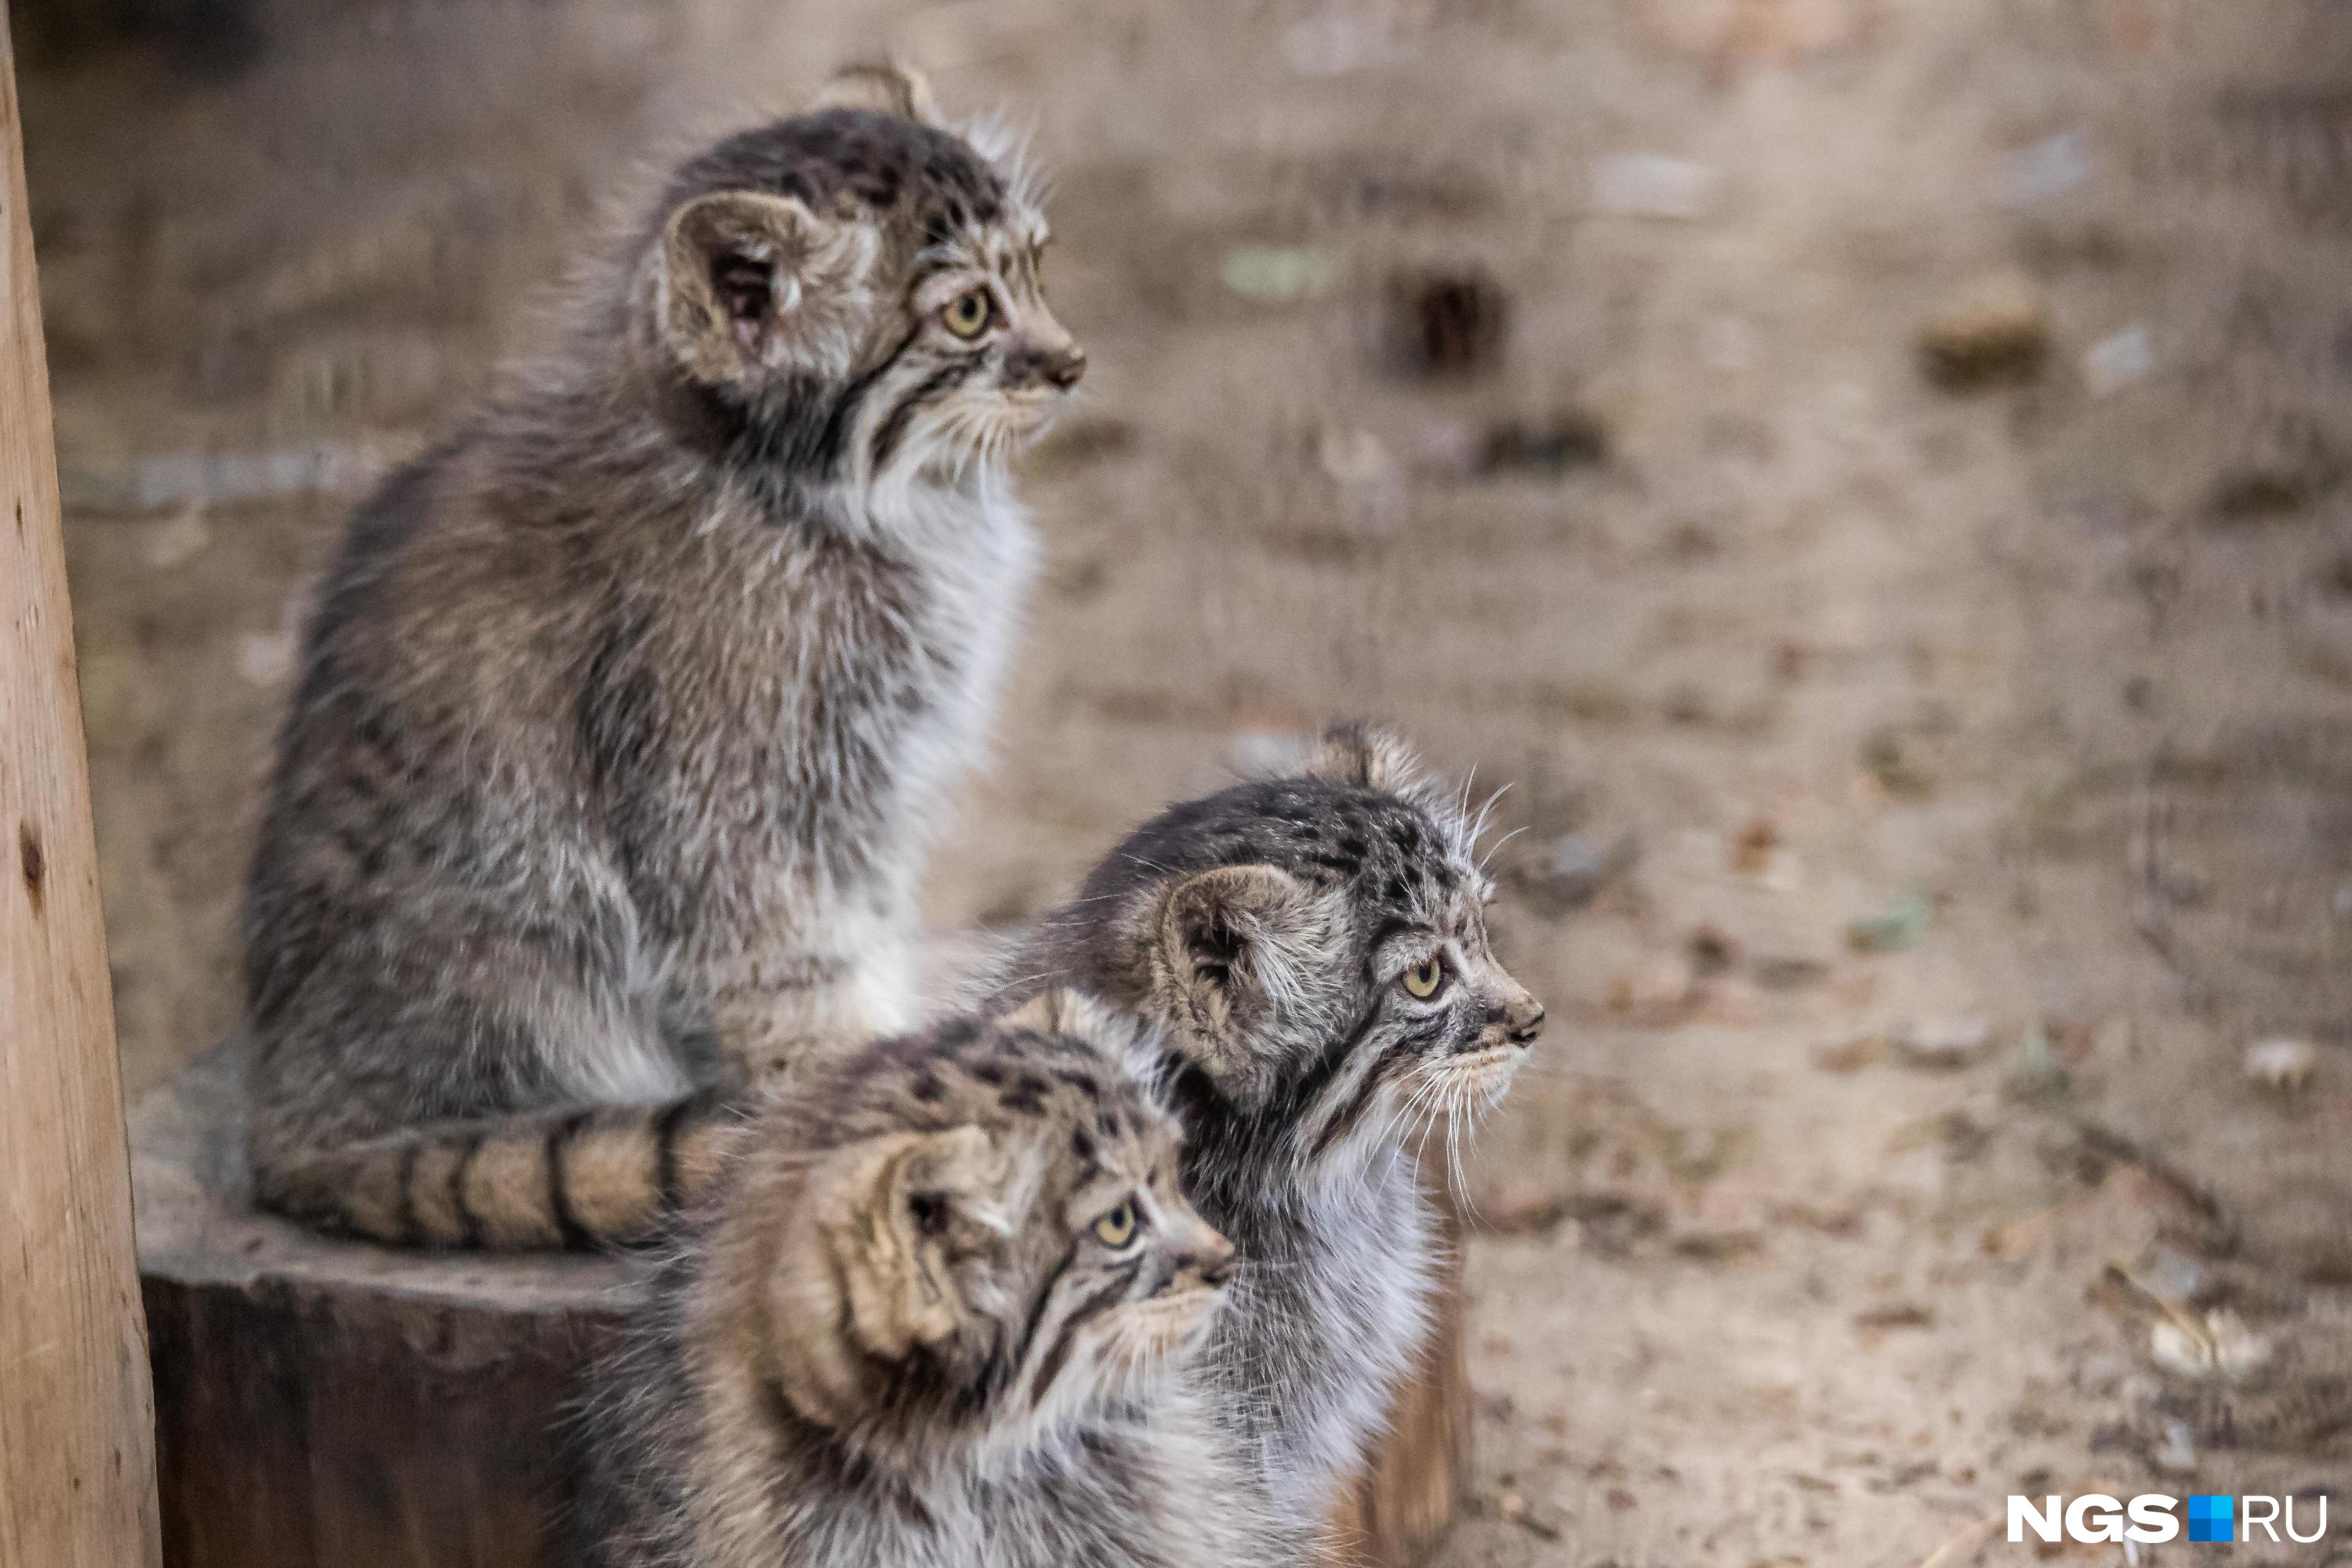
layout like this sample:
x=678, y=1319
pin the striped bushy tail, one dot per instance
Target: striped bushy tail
x=605, y=1177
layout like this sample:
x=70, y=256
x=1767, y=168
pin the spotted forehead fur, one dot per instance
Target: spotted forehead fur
x=1400, y=858
x=1001, y=1073
x=931, y=189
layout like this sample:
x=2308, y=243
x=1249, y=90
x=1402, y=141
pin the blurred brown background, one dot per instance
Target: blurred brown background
x=1869, y=475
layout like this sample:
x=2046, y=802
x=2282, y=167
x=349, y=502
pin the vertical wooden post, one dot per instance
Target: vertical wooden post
x=77, y=1422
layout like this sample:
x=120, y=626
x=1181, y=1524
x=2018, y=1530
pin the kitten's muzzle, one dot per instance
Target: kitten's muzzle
x=1520, y=1019
x=1057, y=364
x=1209, y=1261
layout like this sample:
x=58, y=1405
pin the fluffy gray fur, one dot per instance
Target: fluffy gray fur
x=1274, y=933
x=627, y=714
x=903, y=1339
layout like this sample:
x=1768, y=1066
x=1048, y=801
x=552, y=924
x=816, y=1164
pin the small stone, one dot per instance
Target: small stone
x=1897, y=1315
x=2176, y=1454
x=2034, y=1072
x=1712, y=951
x=1997, y=335
x=1751, y=852
x=2050, y=167
x=1943, y=1045
x=1902, y=925
x=1355, y=459
x=2115, y=362
x=1892, y=764
x=2172, y=1276
x=2220, y=1345
x=1444, y=322
x=1279, y=275
x=1790, y=972
x=1657, y=991
x=1649, y=184
x=265, y=658
x=2288, y=463
x=1571, y=439
x=1511, y=1507
x=1850, y=1056
x=2282, y=1065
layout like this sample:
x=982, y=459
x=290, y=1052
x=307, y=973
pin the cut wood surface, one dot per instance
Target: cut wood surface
x=77, y=1458
x=322, y=1402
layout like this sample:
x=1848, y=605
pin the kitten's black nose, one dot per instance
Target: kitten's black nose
x=1525, y=1021
x=1061, y=366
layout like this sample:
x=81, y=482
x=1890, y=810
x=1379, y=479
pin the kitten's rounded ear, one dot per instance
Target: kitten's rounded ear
x=1226, y=938
x=1366, y=756
x=859, y=1272
x=881, y=1206
x=748, y=283
x=886, y=87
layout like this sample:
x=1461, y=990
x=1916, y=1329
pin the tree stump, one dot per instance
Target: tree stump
x=328, y=1403
x=322, y=1402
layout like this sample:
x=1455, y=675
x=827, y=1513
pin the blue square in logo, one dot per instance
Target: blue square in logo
x=2212, y=1517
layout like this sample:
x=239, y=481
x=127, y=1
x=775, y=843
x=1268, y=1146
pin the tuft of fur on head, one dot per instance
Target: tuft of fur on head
x=886, y=87
x=1359, y=756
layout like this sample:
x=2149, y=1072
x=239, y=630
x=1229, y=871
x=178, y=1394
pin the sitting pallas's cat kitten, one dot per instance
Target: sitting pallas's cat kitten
x=627, y=714
x=1314, y=953
x=941, y=1315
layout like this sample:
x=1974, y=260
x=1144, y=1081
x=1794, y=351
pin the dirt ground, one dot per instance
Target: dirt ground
x=1926, y=794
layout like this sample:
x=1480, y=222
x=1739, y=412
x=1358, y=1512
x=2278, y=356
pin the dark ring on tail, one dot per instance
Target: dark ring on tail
x=576, y=1236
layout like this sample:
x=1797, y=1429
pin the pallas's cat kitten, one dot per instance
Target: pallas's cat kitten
x=942, y=1312
x=627, y=712
x=1314, y=952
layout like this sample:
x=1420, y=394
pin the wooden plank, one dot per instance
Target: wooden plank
x=77, y=1427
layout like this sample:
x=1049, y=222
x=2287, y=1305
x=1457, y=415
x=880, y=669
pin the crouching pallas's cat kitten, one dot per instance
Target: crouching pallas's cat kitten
x=627, y=712
x=941, y=1317
x=1314, y=952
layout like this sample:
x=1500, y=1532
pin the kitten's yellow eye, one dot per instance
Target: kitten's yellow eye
x=1116, y=1229
x=966, y=314
x=1423, y=980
